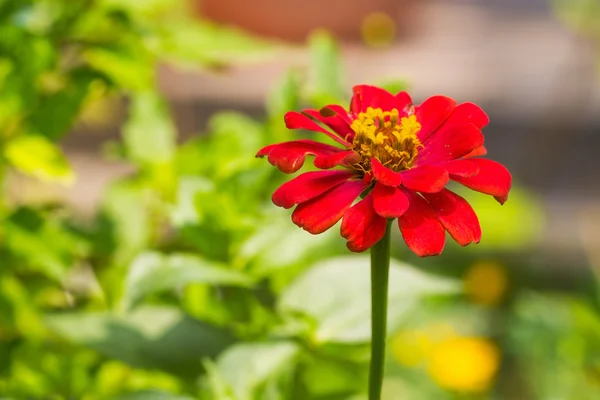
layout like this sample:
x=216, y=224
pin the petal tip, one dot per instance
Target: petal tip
x=385, y=175
x=327, y=112
x=430, y=254
x=264, y=151
x=353, y=247
x=501, y=199
x=281, y=202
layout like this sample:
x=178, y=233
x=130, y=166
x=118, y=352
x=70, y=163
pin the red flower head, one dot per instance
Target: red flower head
x=398, y=158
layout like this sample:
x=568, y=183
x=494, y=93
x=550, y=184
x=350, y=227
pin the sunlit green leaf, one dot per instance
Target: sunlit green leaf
x=128, y=71
x=245, y=368
x=235, y=134
x=201, y=42
x=184, y=211
x=125, y=206
x=149, y=133
x=18, y=310
x=155, y=272
x=147, y=8
x=36, y=156
x=336, y=294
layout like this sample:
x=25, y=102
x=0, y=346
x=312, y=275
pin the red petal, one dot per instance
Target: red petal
x=456, y=215
x=322, y=212
x=384, y=174
x=469, y=112
x=426, y=178
x=330, y=161
x=389, y=202
x=461, y=167
x=421, y=229
x=366, y=96
x=342, y=113
x=296, y=120
x=289, y=156
x=337, y=110
x=480, y=151
x=432, y=113
x=403, y=103
x=361, y=226
x=493, y=178
x=339, y=125
x=308, y=186
x=450, y=142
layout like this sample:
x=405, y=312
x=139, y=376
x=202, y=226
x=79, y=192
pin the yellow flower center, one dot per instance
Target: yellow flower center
x=383, y=135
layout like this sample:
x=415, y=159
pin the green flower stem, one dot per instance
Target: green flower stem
x=380, y=266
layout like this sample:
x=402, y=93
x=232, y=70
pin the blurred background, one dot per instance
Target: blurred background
x=141, y=257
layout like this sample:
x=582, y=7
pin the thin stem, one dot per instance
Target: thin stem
x=380, y=265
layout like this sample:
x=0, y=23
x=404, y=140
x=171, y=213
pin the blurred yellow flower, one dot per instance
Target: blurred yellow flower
x=486, y=283
x=378, y=29
x=466, y=364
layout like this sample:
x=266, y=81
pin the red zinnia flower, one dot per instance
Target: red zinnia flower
x=399, y=158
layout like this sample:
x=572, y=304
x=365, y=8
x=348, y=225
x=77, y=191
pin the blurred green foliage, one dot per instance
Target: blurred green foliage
x=187, y=283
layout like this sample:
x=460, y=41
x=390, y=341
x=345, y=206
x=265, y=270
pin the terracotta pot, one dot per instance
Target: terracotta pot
x=295, y=19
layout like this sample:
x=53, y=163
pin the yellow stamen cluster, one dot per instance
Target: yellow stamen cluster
x=383, y=135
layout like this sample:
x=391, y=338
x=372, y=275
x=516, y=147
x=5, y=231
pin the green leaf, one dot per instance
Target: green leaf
x=231, y=142
x=149, y=133
x=336, y=294
x=37, y=156
x=151, y=395
x=125, y=208
x=146, y=9
x=128, y=69
x=325, y=74
x=184, y=212
x=19, y=311
x=155, y=272
x=329, y=378
x=41, y=242
x=246, y=368
x=235, y=134
x=149, y=337
x=58, y=111
x=231, y=145
x=201, y=42
x=279, y=244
